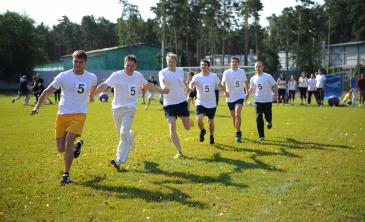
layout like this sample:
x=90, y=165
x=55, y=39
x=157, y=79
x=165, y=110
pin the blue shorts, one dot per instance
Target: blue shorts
x=209, y=112
x=180, y=109
x=233, y=104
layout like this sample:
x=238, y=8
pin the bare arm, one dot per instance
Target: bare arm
x=41, y=99
x=246, y=88
x=91, y=93
x=150, y=87
x=221, y=87
x=101, y=88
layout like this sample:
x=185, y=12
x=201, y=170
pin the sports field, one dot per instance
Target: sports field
x=311, y=167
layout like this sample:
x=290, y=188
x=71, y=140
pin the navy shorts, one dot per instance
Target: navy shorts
x=233, y=104
x=180, y=109
x=209, y=112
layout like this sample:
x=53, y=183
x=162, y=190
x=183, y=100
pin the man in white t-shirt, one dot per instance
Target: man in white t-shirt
x=235, y=82
x=125, y=83
x=262, y=85
x=320, y=80
x=77, y=86
x=205, y=83
x=175, y=104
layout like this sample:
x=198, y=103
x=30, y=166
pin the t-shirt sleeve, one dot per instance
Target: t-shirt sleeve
x=57, y=81
x=217, y=80
x=142, y=80
x=224, y=78
x=244, y=76
x=272, y=81
x=110, y=81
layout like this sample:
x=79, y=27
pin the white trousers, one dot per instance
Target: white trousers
x=123, y=118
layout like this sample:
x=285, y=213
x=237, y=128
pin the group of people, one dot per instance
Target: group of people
x=315, y=86
x=80, y=86
x=311, y=86
x=36, y=87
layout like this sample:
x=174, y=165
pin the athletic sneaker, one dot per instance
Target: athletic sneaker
x=179, y=155
x=116, y=164
x=269, y=125
x=131, y=139
x=211, y=139
x=13, y=101
x=238, y=136
x=77, y=150
x=261, y=139
x=202, y=134
x=65, y=179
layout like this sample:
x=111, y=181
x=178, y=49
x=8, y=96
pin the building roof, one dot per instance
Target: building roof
x=347, y=44
x=102, y=51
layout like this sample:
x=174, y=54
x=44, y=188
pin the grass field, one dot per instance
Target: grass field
x=311, y=167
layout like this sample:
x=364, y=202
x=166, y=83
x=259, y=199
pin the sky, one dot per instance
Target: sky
x=50, y=11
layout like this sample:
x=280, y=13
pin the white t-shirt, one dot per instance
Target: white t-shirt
x=311, y=84
x=292, y=85
x=234, y=83
x=303, y=82
x=281, y=83
x=75, y=91
x=125, y=88
x=262, y=85
x=205, y=87
x=320, y=80
x=175, y=82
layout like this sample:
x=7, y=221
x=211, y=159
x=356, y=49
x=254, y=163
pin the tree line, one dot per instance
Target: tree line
x=192, y=29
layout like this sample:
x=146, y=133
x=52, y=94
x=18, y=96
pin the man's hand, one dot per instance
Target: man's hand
x=165, y=90
x=91, y=99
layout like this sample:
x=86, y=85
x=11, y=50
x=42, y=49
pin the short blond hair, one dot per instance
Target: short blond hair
x=171, y=55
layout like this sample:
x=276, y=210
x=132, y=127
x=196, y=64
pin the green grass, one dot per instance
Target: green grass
x=310, y=168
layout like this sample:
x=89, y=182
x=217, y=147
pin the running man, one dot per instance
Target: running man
x=125, y=83
x=262, y=85
x=175, y=104
x=205, y=83
x=235, y=82
x=77, y=86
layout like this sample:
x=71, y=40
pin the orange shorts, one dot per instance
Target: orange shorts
x=73, y=123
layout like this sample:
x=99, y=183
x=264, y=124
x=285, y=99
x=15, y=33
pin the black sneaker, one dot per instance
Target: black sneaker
x=65, y=179
x=269, y=125
x=13, y=101
x=202, y=134
x=211, y=138
x=115, y=164
x=77, y=150
x=238, y=136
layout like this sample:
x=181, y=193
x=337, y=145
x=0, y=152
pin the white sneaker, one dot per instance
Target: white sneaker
x=131, y=139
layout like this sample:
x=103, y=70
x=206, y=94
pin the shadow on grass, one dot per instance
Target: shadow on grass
x=241, y=165
x=256, y=152
x=128, y=192
x=297, y=144
x=223, y=178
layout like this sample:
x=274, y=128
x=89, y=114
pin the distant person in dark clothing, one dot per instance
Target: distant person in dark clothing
x=57, y=95
x=23, y=91
x=38, y=88
x=361, y=89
